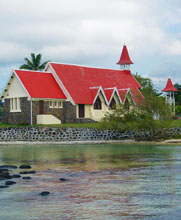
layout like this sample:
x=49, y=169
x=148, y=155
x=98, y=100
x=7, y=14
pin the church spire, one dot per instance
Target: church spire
x=170, y=99
x=125, y=60
x=169, y=87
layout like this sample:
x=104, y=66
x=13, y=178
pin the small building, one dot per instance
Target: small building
x=66, y=93
x=169, y=90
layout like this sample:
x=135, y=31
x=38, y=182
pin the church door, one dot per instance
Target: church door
x=81, y=111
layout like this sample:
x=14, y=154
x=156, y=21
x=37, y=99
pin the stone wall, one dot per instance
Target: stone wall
x=46, y=134
x=67, y=114
x=22, y=117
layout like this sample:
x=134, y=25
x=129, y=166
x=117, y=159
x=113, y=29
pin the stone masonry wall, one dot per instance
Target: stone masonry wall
x=22, y=117
x=46, y=134
x=67, y=114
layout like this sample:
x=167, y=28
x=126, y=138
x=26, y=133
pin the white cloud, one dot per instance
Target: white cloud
x=89, y=32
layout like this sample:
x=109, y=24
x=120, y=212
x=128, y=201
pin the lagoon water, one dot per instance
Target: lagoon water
x=105, y=182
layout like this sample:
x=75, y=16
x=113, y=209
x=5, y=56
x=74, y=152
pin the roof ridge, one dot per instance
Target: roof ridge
x=31, y=71
x=78, y=65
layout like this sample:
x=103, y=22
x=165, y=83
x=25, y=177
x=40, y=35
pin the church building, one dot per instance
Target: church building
x=66, y=93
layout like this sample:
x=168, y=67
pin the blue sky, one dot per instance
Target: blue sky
x=92, y=33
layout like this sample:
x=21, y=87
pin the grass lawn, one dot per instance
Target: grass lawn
x=175, y=123
x=97, y=125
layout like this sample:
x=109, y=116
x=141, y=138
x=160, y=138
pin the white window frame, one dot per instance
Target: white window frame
x=15, y=105
x=55, y=104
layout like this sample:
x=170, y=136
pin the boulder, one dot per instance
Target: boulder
x=4, y=175
x=25, y=166
x=26, y=178
x=3, y=186
x=10, y=183
x=8, y=167
x=16, y=176
x=44, y=193
x=63, y=179
x=28, y=172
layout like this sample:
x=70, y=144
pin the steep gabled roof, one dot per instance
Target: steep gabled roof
x=39, y=84
x=78, y=79
x=169, y=87
x=109, y=92
x=123, y=94
x=125, y=59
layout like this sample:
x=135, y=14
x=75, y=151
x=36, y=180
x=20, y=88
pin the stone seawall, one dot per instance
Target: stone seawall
x=46, y=134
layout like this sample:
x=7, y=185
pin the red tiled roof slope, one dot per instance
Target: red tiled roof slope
x=78, y=80
x=40, y=84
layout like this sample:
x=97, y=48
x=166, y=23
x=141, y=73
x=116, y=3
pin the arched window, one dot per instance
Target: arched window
x=98, y=103
x=113, y=104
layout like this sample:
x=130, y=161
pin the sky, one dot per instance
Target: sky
x=92, y=33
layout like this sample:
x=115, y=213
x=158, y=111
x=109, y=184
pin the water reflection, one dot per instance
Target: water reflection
x=104, y=182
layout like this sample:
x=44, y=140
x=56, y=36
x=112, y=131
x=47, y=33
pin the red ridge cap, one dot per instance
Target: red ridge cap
x=125, y=59
x=169, y=87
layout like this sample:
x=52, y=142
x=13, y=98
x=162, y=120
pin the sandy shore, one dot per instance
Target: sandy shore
x=166, y=142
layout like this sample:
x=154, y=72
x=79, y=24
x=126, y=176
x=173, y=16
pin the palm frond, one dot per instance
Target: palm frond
x=26, y=66
x=28, y=61
x=34, y=63
x=42, y=66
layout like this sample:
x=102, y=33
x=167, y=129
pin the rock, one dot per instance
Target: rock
x=44, y=193
x=3, y=186
x=3, y=169
x=4, y=175
x=25, y=167
x=16, y=176
x=28, y=172
x=63, y=179
x=10, y=183
x=27, y=178
x=8, y=167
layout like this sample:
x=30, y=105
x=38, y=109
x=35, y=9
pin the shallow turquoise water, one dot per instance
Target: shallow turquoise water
x=105, y=182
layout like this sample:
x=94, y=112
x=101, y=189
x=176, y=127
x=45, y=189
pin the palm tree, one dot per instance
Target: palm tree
x=34, y=63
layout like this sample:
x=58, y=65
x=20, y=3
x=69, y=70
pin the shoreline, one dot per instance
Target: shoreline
x=165, y=142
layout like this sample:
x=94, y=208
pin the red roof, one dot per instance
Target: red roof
x=78, y=80
x=125, y=59
x=169, y=87
x=108, y=93
x=40, y=84
x=123, y=93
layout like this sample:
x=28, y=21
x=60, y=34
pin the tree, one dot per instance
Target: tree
x=178, y=99
x=142, y=117
x=147, y=85
x=178, y=94
x=34, y=64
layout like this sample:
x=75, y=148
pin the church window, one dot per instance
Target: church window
x=98, y=104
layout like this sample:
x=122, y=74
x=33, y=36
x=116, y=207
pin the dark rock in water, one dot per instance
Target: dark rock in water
x=44, y=193
x=4, y=175
x=16, y=176
x=3, y=186
x=8, y=167
x=25, y=167
x=3, y=169
x=28, y=172
x=10, y=182
x=27, y=178
x=63, y=179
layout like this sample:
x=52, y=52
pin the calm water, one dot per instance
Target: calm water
x=106, y=182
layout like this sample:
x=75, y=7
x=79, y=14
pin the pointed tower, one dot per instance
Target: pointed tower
x=125, y=60
x=170, y=89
